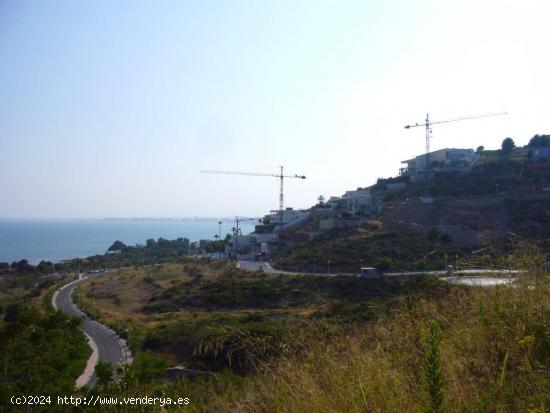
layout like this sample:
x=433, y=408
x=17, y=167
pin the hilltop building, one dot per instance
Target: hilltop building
x=443, y=160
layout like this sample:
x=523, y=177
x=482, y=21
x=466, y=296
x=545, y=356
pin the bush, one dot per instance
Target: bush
x=145, y=368
x=434, y=235
x=12, y=313
x=240, y=347
x=104, y=373
x=384, y=265
x=41, y=354
x=152, y=341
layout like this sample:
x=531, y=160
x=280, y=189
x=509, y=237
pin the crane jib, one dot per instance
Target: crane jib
x=280, y=175
x=456, y=119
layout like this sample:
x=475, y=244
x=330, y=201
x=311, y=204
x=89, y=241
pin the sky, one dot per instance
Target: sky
x=112, y=109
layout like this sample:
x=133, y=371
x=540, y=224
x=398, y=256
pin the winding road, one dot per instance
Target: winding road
x=106, y=345
x=253, y=266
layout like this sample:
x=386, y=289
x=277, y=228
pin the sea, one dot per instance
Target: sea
x=61, y=239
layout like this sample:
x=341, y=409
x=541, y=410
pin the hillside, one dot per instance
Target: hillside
x=431, y=344
x=475, y=221
x=389, y=250
x=463, y=350
x=501, y=197
x=183, y=308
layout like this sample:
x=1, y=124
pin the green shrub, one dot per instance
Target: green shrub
x=152, y=341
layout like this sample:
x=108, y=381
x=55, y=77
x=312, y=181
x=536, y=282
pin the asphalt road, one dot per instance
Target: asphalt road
x=268, y=269
x=265, y=267
x=110, y=348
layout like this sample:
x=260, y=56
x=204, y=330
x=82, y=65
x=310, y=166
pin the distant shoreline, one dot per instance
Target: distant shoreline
x=172, y=219
x=60, y=239
x=199, y=219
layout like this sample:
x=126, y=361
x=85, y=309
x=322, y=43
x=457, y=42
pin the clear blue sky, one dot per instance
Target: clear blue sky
x=111, y=108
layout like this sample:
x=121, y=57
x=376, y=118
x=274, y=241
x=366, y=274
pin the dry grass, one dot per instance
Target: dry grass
x=494, y=351
x=120, y=296
x=495, y=354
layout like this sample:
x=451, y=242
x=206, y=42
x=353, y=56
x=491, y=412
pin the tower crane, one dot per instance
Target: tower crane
x=280, y=175
x=428, y=125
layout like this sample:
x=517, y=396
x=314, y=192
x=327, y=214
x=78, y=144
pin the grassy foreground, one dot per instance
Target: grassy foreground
x=491, y=352
x=429, y=348
x=211, y=316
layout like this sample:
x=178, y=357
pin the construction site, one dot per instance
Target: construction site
x=473, y=197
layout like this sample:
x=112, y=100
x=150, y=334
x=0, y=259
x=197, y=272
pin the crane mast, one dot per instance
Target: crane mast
x=281, y=193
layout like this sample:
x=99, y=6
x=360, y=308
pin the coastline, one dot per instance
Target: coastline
x=56, y=240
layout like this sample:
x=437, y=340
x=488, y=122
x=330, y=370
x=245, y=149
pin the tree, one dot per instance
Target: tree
x=480, y=149
x=384, y=265
x=45, y=267
x=163, y=243
x=539, y=140
x=23, y=266
x=508, y=146
x=117, y=246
